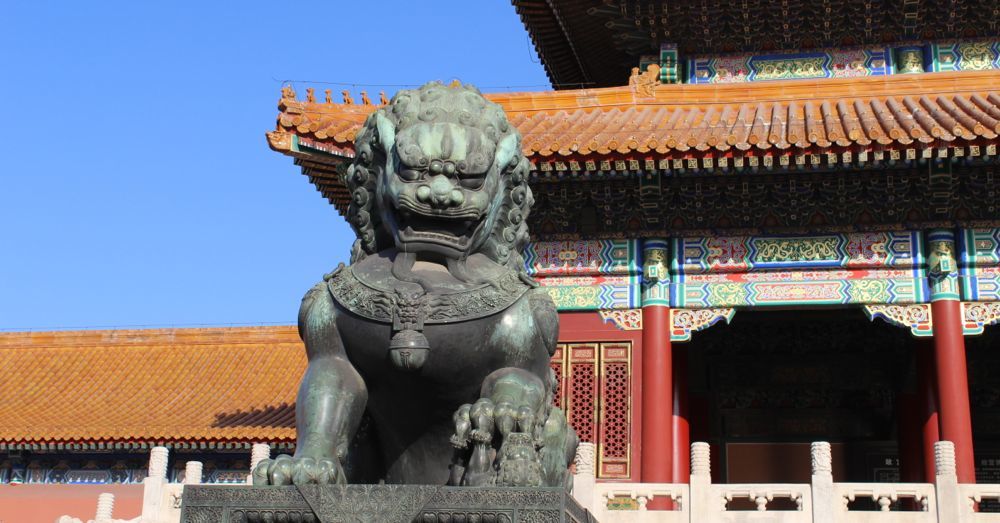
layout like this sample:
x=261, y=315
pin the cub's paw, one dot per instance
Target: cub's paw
x=288, y=470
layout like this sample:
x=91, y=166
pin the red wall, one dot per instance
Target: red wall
x=45, y=503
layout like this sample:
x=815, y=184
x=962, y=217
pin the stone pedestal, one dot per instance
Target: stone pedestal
x=379, y=504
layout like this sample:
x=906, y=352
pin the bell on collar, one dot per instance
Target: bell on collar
x=408, y=350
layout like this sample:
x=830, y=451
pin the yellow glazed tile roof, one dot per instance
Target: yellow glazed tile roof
x=669, y=120
x=212, y=385
x=645, y=123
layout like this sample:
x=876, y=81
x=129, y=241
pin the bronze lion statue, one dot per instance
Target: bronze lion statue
x=429, y=354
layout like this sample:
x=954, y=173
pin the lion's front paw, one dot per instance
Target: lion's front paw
x=288, y=470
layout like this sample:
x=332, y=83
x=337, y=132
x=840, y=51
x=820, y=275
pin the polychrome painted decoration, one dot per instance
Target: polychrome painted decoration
x=798, y=288
x=979, y=264
x=587, y=275
x=590, y=257
x=965, y=55
x=916, y=317
x=656, y=272
x=942, y=267
x=684, y=322
x=837, y=63
x=977, y=315
x=834, y=269
x=593, y=292
x=869, y=250
x=867, y=268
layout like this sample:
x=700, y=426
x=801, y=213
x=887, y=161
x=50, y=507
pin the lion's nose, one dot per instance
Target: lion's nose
x=440, y=193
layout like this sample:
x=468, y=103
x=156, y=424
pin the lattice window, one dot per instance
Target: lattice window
x=581, y=391
x=558, y=365
x=614, y=411
x=595, y=390
x=615, y=419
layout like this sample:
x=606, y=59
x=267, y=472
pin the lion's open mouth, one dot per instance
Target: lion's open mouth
x=447, y=231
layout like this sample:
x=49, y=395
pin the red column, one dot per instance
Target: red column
x=657, y=396
x=681, y=424
x=953, y=385
x=927, y=402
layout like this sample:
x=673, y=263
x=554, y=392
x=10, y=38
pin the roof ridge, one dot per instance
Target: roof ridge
x=146, y=337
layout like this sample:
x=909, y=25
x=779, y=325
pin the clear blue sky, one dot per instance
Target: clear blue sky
x=137, y=185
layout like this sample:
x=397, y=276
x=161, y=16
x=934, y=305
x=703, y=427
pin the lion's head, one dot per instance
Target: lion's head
x=440, y=170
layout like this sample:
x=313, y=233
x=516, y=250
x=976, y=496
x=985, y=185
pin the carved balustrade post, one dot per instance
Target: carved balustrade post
x=192, y=473
x=152, y=486
x=258, y=452
x=949, y=497
x=701, y=461
x=824, y=498
x=702, y=506
x=105, y=508
x=158, y=457
x=584, y=476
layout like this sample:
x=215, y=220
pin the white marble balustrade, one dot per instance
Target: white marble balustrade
x=700, y=501
x=820, y=501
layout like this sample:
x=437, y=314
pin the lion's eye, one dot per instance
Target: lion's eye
x=410, y=175
x=472, y=181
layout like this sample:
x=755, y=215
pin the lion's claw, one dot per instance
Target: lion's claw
x=288, y=470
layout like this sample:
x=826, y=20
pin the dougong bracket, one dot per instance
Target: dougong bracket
x=977, y=316
x=916, y=317
x=684, y=322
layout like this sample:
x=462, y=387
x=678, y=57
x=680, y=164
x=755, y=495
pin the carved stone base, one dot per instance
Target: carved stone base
x=379, y=504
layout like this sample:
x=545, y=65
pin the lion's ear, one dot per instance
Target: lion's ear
x=507, y=149
x=386, y=131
